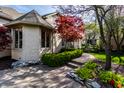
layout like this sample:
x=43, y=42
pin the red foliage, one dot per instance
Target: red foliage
x=5, y=38
x=112, y=82
x=70, y=27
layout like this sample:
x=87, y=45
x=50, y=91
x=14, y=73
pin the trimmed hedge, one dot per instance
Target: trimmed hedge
x=67, y=49
x=60, y=59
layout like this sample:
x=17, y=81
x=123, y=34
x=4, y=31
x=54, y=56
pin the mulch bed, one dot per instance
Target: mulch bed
x=5, y=63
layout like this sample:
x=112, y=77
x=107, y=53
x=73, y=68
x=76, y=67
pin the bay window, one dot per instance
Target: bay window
x=17, y=37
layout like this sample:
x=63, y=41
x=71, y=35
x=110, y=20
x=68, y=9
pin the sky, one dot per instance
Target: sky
x=41, y=9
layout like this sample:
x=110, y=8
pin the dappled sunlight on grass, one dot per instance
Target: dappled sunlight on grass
x=102, y=57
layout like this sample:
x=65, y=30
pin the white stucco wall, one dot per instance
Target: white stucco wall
x=31, y=42
x=31, y=49
x=16, y=54
x=7, y=52
x=57, y=43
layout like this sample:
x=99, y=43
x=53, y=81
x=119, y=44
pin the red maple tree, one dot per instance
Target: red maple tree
x=5, y=38
x=70, y=28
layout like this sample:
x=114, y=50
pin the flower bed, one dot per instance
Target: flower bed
x=109, y=77
x=91, y=70
x=60, y=59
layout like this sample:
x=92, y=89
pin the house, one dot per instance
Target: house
x=4, y=18
x=33, y=35
x=7, y=15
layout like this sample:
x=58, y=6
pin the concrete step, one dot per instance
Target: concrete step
x=78, y=63
x=73, y=65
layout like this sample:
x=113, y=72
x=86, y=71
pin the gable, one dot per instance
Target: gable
x=10, y=11
x=33, y=18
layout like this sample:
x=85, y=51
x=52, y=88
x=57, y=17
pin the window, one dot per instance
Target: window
x=20, y=39
x=45, y=38
x=17, y=37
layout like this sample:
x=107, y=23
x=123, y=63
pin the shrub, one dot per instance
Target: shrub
x=90, y=65
x=67, y=49
x=105, y=76
x=84, y=73
x=60, y=59
x=87, y=71
x=108, y=76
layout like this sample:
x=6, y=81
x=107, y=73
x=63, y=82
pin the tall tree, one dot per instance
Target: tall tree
x=117, y=20
x=5, y=38
x=103, y=15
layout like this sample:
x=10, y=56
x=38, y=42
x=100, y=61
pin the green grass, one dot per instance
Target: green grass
x=115, y=59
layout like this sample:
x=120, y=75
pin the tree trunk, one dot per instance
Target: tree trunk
x=108, y=59
x=118, y=48
x=106, y=43
x=108, y=51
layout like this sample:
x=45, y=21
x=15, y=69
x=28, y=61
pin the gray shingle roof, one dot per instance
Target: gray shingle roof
x=10, y=11
x=5, y=16
x=31, y=17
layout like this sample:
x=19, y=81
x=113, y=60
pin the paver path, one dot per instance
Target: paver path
x=78, y=62
x=84, y=58
x=37, y=77
x=40, y=76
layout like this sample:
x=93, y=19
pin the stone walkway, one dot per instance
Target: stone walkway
x=84, y=58
x=78, y=62
x=37, y=77
x=40, y=76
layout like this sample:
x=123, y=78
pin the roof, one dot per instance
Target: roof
x=11, y=12
x=50, y=14
x=32, y=18
x=5, y=16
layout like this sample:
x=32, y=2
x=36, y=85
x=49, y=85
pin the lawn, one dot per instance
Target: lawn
x=115, y=59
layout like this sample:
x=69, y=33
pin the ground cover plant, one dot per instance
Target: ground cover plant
x=116, y=80
x=87, y=71
x=90, y=71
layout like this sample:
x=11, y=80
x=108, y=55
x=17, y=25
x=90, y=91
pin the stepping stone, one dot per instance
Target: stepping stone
x=92, y=84
x=75, y=77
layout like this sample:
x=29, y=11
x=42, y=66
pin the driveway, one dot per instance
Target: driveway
x=37, y=77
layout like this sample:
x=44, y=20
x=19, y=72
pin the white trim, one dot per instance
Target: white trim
x=45, y=39
x=12, y=35
x=45, y=31
x=18, y=45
